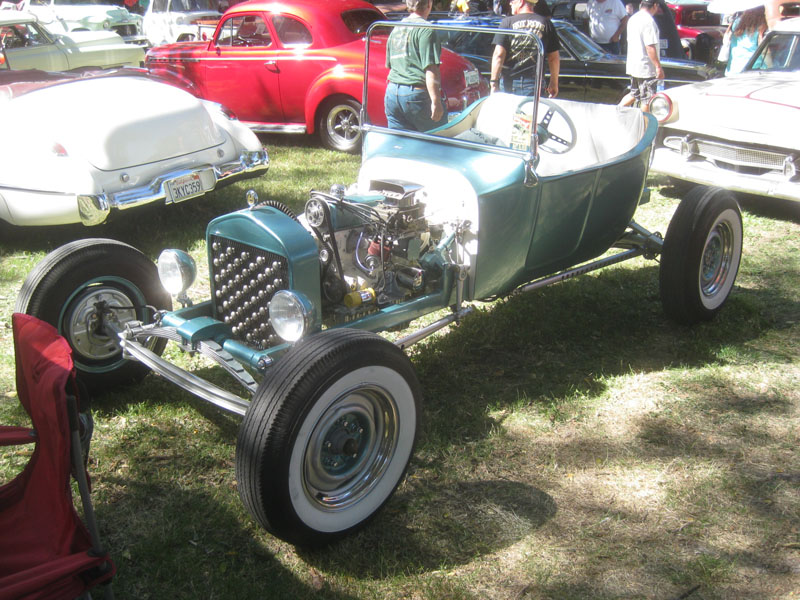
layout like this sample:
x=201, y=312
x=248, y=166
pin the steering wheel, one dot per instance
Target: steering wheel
x=548, y=140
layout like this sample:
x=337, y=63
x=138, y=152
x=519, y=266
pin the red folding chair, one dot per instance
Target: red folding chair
x=46, y=550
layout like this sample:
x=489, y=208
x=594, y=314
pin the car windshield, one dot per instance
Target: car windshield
x=780, y=53
x=580, y=45
x=358, y=21
x=185, y=6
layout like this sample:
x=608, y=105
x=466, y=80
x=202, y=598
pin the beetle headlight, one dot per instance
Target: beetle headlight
x=661, y=107
x=177, y=271
x=290, y=314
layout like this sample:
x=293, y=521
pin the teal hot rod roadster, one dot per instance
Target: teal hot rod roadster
x=482, y=207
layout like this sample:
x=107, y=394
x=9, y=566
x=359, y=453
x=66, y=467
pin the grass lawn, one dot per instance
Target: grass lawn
x=575, y=443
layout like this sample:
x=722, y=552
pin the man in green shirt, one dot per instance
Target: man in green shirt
x=413, y=97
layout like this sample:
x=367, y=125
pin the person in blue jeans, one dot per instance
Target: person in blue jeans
x=413, y=97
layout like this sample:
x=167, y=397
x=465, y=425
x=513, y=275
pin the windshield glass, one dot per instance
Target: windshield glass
x=781, y=53
x=580, y=45
x=358, y=21
x=398, y=99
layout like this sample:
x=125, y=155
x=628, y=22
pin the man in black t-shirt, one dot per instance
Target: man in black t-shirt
x=517, y=53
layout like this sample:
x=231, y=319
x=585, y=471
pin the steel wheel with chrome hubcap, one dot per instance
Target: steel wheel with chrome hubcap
x=701, y=255
x=88, y=290
x=328, y=436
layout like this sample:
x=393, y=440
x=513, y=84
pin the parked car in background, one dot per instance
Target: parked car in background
x=79, y=147
x=587, y=72
x=738, y=132
x=576, y=13
x=27, y=44
x=65, y=16
x=700, y=30
x=297, y=67
x=167, y=21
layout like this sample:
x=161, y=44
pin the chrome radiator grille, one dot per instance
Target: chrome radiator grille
x=728, y=153
x=243, y=281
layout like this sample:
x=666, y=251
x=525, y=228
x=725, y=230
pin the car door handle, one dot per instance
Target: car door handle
x=272, y=66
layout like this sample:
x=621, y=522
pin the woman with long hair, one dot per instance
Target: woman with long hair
x=747, y=31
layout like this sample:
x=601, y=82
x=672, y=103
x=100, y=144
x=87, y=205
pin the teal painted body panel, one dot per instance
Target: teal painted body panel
x=528, y=232
x=271, y=230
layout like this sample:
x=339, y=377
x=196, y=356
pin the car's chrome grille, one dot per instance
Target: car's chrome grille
x=727, y=153
x=243, y=281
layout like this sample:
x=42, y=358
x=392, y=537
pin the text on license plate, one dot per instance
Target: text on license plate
x=471, y=77
x=184, y=187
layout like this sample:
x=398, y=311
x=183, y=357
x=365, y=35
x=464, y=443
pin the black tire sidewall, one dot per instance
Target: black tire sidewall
x=682, y=255
x=61, y=275
x=271, y=427
x=334, y=143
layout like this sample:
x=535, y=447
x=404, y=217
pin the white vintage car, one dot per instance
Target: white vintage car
x=27, y=44
x=64, y=16
x=167, y=21
x=129, y=140
x=738, y=132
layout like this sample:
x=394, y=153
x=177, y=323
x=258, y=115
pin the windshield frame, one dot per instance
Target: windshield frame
x=530, y=155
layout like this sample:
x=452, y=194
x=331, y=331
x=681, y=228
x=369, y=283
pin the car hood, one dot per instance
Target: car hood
x=751, y=107
x=112, y=122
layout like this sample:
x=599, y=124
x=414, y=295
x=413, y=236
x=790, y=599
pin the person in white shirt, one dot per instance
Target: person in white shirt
x=643, y=64
x=607, y=19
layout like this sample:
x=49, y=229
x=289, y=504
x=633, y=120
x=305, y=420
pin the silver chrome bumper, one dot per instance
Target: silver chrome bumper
x=94, y=209
x=670, y=162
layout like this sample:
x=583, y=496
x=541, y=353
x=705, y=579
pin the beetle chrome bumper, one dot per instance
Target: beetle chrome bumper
x=94, y=209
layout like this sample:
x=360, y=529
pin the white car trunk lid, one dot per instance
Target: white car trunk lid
x=146, y=122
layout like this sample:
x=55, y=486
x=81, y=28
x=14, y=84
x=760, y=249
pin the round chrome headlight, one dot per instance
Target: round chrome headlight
x=176, y=270
x=290, y=314
x=660, y=107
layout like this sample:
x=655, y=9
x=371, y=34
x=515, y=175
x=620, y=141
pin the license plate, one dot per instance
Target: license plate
x=472, y=77
x=184, y=187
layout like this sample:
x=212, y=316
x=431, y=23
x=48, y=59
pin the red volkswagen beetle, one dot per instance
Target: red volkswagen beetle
x=297, y=66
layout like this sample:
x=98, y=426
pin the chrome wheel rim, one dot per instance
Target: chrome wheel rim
x=350, y=447
x=83, y=324
x=715, y=264
x=342, y=124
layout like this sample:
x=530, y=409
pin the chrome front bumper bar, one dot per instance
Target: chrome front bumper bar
x=94, y=209
x=670, y=162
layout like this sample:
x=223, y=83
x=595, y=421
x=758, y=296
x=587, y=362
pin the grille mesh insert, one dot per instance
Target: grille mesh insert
x=243, y=281
x=730, y=153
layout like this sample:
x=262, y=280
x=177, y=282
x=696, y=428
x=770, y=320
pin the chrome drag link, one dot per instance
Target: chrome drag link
x=193, y=384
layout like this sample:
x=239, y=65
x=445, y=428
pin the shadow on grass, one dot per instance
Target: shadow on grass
x=189, y=544
x=565, y=341
x=452, y=524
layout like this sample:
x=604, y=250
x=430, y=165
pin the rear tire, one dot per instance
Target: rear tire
x=328, y=436
x=701, y=255
x=340, y=125
x=80, y=285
